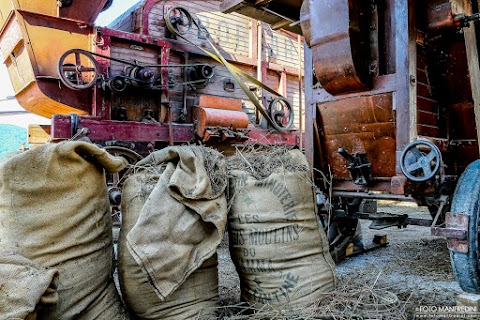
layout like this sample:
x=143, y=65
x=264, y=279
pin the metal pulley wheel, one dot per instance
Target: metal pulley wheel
x=281, y=113
x=179, y=19
x=464, y=253
x=420, y=160
x=78, y=69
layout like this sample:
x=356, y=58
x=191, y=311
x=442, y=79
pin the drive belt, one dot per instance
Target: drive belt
x=234, y=71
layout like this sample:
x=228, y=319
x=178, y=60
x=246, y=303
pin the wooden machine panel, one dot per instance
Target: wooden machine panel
x=249, y=44
x=31, y=61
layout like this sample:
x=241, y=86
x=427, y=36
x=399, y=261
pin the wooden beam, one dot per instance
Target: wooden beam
x=473, y=67
x=262, y=2
x=38, y=134
x=405, y=102
x=229, y=6
x=310, y=108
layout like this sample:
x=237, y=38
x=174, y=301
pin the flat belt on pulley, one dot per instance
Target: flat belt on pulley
x=234, y=71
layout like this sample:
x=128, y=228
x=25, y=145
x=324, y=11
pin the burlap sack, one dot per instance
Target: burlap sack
x=276, y=244
x=25, y=287
x=55, y=211
x=173, y=221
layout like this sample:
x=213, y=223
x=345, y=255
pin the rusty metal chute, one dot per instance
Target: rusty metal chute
x=338, y=33
x=82, y=10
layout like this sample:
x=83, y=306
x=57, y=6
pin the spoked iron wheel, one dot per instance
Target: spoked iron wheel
x=464, y=254
x=281, y=113
x=78, y=69
x=179, y=19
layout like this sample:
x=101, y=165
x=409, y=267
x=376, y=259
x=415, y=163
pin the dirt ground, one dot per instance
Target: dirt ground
x=413, y=270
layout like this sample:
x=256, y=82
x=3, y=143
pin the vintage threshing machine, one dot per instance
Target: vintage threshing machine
x=149, y=81
x=392, y=109
x=392, y=92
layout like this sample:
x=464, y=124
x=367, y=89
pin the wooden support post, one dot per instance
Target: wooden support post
x=300, y=95
x=405, y=102
x=310, y=107
x=473, y=67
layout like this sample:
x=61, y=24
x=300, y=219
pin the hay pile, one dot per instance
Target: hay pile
x=260, y=162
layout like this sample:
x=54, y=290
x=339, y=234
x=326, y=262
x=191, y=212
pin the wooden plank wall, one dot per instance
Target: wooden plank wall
x=281, y=48
x=230, y=32
x=235, y=35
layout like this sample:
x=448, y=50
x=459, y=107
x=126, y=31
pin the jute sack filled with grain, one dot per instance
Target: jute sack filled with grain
x=174, y=216
x=25, y=288
x=55, y=212
x=276, y=244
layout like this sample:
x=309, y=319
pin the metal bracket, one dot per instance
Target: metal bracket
x=228, y=85
x=456, y=231
x=384, y=220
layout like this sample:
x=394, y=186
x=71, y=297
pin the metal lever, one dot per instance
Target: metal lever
x=359, y=166
x=346, y=155
x=463, y=21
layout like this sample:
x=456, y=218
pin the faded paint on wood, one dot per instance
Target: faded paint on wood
x=230, y=32
x=233, y=33
x=281, y=48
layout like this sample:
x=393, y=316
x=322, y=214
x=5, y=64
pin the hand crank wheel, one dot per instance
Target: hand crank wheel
x=78, y=69
x=418, y=164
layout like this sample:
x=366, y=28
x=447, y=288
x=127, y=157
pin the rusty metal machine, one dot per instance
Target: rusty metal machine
x=392, y=110
x=392, y=94
x=150, y=80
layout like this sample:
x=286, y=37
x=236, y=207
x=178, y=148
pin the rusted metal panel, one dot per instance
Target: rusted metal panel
x=82, y=10
x=338, y=34
x=363, y=125
x=350, y=115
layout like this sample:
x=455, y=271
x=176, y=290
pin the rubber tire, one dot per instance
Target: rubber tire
x=466, y=199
